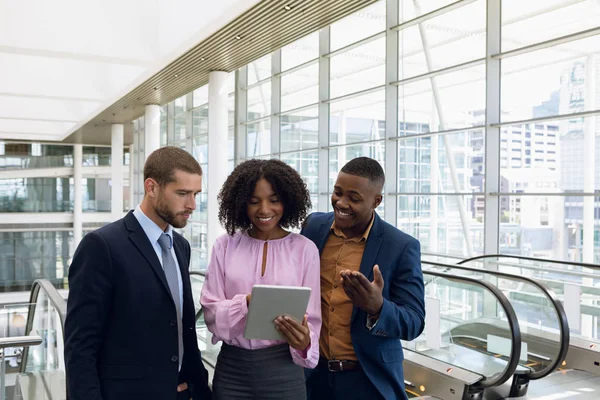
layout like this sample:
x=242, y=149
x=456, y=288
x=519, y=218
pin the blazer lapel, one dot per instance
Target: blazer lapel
x=324, y=231
x=179, y=253
x=372, y=246
x=140, y=240
x=185, y=277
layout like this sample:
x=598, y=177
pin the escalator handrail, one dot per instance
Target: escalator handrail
x=513, y=323
x=60, y=305
x=561, y=262
x=565, y=333
x=200, y=311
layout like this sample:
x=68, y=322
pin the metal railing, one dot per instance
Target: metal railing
x=564, y=331
x=516, y=257
x=33, y=339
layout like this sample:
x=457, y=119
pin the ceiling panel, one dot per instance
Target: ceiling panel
x=67, y=61
x=22, y=107
x=261, y=30
x=38, y=127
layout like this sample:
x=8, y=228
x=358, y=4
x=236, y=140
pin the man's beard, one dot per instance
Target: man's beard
x=168, y=216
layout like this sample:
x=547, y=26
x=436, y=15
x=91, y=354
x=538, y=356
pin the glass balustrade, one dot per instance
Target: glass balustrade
x=209, y=350
x=471, y=325
x=542, y=320
x=42, y=371
x=576, y=285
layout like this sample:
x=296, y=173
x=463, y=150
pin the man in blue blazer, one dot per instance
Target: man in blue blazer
x=372, y=292
x=130, y=327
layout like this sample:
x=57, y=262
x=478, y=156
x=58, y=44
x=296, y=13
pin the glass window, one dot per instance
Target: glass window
x=461, y=95
x=307, y=165
x=453, y=38
x=180, y=130
x=300, y=130
x=200, y=121
x=363, y=23
x=230, y=83
x=163, y=126
x=37, y=194
x=29, y=255
x=259, y=101
x=300, y=51
x=410, y=9
x=200, y=150
x=259, y=70
x=300, y=88
x=230, y=143
x=258, y=138
x=535, y=21
x=436, y=222
x=180, y=105
x=422, y=159
x=96, y=195
x=358, y=69
x=542, y=83
x=357, y=119
x=231, y=110
x=200, y=96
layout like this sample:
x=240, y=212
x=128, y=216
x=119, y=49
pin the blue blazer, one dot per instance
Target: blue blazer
x=398, y=255
x=121, y=330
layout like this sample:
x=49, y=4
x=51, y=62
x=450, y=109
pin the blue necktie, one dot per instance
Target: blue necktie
x=170, y=268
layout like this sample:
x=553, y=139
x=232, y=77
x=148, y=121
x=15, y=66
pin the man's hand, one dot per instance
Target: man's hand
x=248, y=297
x=182, y=387
x=297, y=335
x=364, y=294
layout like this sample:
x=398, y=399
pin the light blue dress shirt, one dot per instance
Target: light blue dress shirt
x=153, y=232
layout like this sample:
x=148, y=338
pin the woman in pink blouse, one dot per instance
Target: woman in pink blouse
x=257, y=202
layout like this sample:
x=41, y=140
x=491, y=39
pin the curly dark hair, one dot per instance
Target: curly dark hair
x=239, y=187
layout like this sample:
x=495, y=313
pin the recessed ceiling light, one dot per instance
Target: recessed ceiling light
x=238, y=37
x=202, y=58
x=176, y=76
x=287, y=8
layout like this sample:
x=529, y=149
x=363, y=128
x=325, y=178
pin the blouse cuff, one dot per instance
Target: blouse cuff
x=309, y=357
x=237, y=314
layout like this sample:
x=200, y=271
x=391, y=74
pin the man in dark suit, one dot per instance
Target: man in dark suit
x=372, y=292
x=130, y=327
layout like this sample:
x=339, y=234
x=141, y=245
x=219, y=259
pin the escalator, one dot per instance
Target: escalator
x=544, y=327
x=437, y=364
x=42, y=370
x=575, y=287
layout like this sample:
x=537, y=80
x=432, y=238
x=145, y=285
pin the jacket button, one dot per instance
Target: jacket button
x=172, y=322
x=174, y=358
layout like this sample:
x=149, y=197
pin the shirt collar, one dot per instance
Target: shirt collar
x=363, y=238
x=152, y=230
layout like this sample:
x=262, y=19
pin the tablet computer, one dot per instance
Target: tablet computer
x=269, y=302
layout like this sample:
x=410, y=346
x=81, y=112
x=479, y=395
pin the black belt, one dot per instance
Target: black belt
x=340, y=365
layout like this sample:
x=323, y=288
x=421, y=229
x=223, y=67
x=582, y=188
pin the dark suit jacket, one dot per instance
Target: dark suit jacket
x=121, y=330
x=398, y=255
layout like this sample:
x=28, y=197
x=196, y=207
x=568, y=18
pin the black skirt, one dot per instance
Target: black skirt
x=265, y=374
